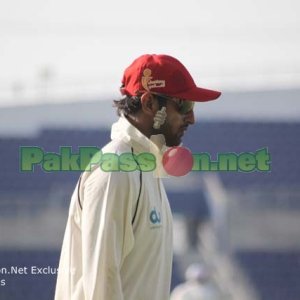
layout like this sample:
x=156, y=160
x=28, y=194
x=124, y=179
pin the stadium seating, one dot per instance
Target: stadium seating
x=276, y=275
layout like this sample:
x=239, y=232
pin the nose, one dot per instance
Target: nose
x=190, y=117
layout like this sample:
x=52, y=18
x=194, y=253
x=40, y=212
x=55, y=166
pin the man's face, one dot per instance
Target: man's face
x=176, y=123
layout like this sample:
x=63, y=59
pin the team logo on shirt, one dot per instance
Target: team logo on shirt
x=155, y=217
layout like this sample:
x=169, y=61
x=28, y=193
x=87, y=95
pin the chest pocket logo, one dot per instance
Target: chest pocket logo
x=155, y=217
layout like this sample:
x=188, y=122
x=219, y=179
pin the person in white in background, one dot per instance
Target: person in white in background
x=118, y=239
x=198, y=285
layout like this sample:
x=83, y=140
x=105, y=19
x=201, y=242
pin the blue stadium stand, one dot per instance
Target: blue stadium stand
x=275, y=275
x=31, y=286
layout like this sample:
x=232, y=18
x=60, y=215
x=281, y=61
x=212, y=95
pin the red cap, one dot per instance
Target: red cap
x=165, y=75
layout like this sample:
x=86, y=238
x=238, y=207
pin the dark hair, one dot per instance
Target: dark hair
x=129, y=105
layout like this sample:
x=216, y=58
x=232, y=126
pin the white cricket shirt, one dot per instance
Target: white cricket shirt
x=104, y=255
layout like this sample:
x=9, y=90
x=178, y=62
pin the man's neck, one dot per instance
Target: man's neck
x=141, y=125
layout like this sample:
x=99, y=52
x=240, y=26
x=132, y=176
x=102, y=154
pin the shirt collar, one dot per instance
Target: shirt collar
x=125, y=131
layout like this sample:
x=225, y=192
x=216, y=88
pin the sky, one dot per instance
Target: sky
x=66, y=50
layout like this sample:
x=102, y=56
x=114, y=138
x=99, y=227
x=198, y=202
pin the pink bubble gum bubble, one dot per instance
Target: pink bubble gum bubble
x=177, y=161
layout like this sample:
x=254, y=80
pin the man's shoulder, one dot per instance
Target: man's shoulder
x=105, y=169
x=117, y=147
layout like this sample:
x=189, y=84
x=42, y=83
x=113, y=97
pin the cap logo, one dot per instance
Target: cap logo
x=148, y=83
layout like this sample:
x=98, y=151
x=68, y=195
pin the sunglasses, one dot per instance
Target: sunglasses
x=184, y=106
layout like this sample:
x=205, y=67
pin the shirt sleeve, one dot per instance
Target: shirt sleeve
x=107, y=235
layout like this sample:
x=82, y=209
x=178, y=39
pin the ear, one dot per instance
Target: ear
x=149, y=104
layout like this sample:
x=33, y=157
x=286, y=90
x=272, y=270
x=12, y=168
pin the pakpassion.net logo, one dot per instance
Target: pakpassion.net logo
x=176, y=161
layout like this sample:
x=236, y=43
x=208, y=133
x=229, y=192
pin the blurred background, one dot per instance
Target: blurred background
x=61, y=64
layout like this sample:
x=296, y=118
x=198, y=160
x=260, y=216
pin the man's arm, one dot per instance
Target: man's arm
x=107, y=235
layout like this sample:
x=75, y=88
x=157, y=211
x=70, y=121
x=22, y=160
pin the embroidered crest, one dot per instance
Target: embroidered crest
x=148, y=83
